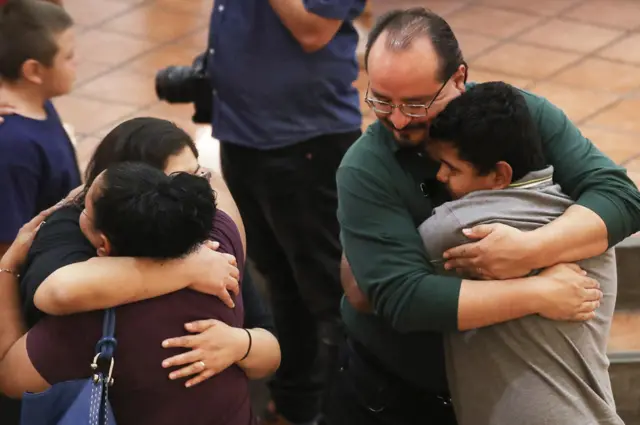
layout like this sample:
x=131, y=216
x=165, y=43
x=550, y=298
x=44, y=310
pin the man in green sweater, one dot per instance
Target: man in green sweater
x=394, y=371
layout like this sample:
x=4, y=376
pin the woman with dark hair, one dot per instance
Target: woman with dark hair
x=133, y=209
x=154, y=141
x=99, y=283
x=63, y=278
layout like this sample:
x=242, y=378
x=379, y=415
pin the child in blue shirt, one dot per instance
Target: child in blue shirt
x=38, y=165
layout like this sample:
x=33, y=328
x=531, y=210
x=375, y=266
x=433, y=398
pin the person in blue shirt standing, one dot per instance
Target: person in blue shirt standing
x=285, y=112
x=38, y=165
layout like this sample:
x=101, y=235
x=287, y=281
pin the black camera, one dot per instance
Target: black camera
x=188, y=84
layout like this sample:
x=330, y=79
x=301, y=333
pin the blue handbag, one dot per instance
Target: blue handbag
x=83, y=401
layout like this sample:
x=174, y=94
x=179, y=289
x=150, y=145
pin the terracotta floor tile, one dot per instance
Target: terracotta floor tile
x=601, y=75
x=635, y=177
x=626, y=50
x=441, y=7
x=88, y=116
x=179, y=114
x=525, y=60
x=153, y=22
x=198, y=40
x=361, y=82
x=87, y=70
x=633, y=165
x=576, y=103
x=473, y=44
x=625, y=332
x=363, y=36
x=624, y=116
x=623, y=14
x=172, y=55
x=616, y=145
x=480, y=76
x=122, y=86
x=107, y=47
x=195, y=7
x=538, y=7
x=84, y=11
x=490, y=21
x=570, y=36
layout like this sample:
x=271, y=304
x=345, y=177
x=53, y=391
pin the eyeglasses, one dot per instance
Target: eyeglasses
x=411, y=110
x=204, y=173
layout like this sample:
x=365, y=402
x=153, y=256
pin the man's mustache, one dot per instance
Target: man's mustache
x=410, y=127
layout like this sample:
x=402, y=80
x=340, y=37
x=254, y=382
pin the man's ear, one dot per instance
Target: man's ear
x=458, y=77
x=104, y=250
x=503, y=175
x=33, y=71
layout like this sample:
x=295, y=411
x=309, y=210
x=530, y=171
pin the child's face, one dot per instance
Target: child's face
x=460, y=177
x=60, y=76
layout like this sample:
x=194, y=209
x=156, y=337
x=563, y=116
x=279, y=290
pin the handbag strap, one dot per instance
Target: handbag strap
x=107, y=344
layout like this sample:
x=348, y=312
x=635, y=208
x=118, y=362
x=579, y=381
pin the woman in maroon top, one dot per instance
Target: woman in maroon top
x=219, y=351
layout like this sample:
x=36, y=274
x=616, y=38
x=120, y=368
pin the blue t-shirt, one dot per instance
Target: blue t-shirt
x=38, y=167
x=267, y=92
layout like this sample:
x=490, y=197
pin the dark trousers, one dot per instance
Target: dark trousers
x=9, y=411
x=363, y=393
x=288, y=201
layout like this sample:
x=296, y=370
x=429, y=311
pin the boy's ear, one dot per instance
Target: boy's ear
x=33, y=71
x=503, y=175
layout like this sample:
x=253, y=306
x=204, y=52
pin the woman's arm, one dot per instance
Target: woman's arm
x=263, y=358
x=99, y=283
x=17, y=374
x=216, y=346
x=104, y=282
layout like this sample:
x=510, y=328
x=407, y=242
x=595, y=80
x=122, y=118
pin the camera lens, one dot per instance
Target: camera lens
x=174, y=84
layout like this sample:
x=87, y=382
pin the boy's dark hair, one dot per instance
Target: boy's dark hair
x=404, y=26
x=488, y=124
x=145, y=213
x=27, y=31
x=144, y=139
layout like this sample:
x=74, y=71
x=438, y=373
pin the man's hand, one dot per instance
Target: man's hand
x=501, y=252
x=215, y=273
x=566, y=293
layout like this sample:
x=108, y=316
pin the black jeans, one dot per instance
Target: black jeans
x=364, y=393
x=288, y=201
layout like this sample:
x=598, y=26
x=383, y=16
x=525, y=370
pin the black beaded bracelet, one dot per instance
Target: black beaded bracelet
x=250, y=344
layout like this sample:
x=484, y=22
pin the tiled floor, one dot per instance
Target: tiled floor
x=584, y=55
